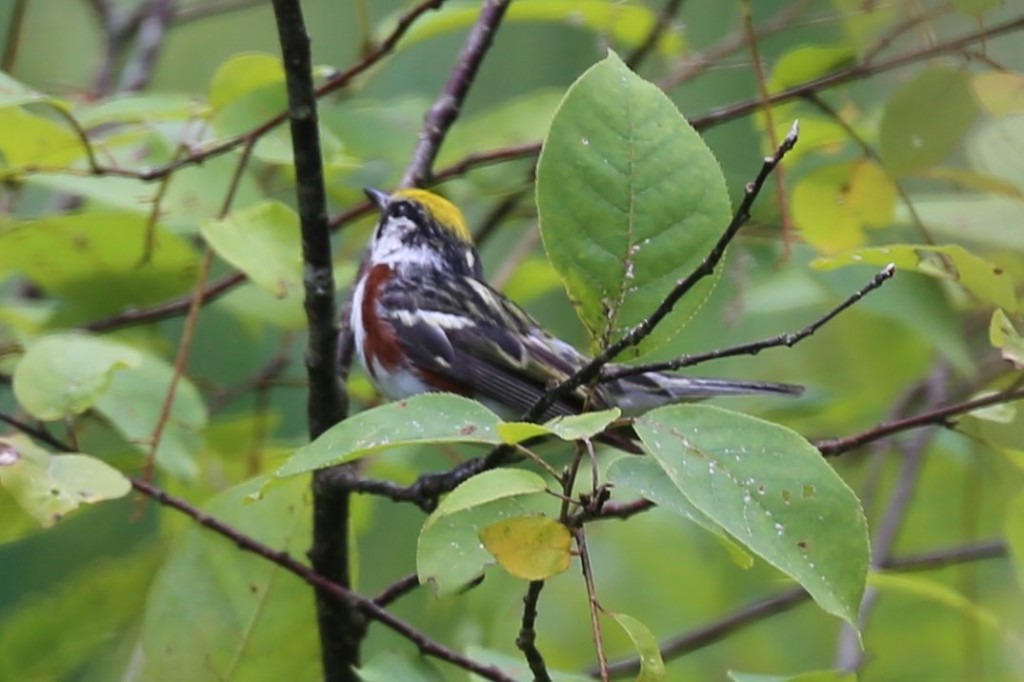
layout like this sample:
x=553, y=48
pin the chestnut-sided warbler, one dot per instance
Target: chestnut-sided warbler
x=425, y=320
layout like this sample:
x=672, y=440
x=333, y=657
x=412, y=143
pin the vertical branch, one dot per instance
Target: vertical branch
x=446, y=109
x=341, y=624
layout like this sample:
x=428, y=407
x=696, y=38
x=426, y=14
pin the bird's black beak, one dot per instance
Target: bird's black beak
x=377, y=198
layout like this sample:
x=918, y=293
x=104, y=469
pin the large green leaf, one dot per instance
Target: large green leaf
x=49, y=486
x=630, y=201
x=772, y=491
x=644, y=477
x=217, y=613
x=63, y=375
x=425, y=418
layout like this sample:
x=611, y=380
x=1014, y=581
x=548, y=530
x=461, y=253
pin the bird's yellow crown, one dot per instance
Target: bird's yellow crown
x=443, y=211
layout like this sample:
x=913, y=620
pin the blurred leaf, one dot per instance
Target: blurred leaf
x=107, y=595
x=1000, y=92
x=146, y=108
x=987, y=145
x=626, y=24
x=30, y=140
x=911, y=142
x=529, y=547
x=487, y=487
x=448, y=550
x=14, y=93
x=424, y=418
x=622, y=215
x=1004, y=336
x=815, y=676
x=523, y=119
x=263, y=242
x=64, y=374
x=388, y=666
x=643, y=476
x=517, y=668
x=242, y=74
x=652, y=667
x=133, y=403
x=834, y=204
x=933, y=591
x=1014, y=525
x=954, y=263
x=806, y=63
x=772, y=491
x=49, y=486
x=977, y=219
x=216, y=613
x=971, y=180
x=98, y=259
x=15, y=522
x=975, y=7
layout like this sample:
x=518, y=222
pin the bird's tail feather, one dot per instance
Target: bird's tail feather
x=641, y=392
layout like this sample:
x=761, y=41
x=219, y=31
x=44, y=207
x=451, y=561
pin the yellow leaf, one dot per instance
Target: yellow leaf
x=529, y=547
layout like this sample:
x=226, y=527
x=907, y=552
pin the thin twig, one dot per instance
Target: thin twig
x=447, y=106
x=399, y=588
x=754, y=347
x=661, y=25
x=938, y=417
x=595, y=605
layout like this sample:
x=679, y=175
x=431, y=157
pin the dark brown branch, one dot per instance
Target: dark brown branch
x=938, y=417
x=527, y=639
x=446, y=109
x=942, y=558
x=342, y=625
x=397, y=589
x=754, y=347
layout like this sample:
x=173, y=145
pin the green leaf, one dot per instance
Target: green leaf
x=807, y=63
x=911, y=142
x=772, y=491
x=217, y=613
x=813, y=676
x=98, y=260
x=630, y=200
x=644, y=477
x=586, y=425
x=263, y=242
x=987, y=281
x=531, y=547
x=975, y=219
x=425, y=418
x=49, y=486
x=517, y=668
x=487, y=487
x=448, y=549
x=652, y=667
x=243, y=74
x=626, y=24
x=987, y=145
x=1014, y=525
x=29, y=140
x=388, y=666
x=108, y=594
x=1006, y=338
x=15, y=93
x=133, y=403
x=63, y=375
x=936, y=592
